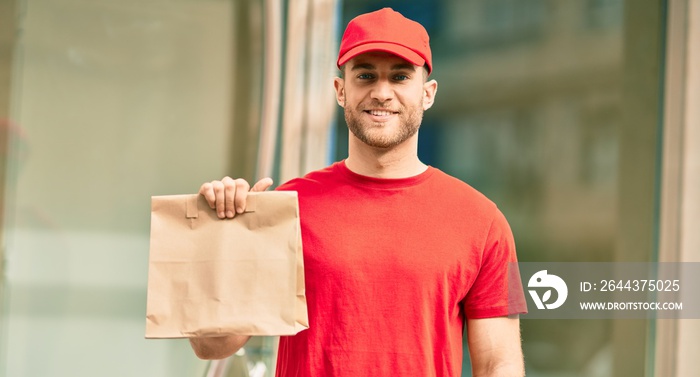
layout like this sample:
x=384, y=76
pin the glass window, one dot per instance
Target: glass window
x=111, y=102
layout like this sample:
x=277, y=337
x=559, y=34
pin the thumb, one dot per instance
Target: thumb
x=262, y=184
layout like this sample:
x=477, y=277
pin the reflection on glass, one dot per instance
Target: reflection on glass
x=112, y=102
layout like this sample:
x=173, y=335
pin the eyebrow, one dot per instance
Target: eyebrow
x=395, y=67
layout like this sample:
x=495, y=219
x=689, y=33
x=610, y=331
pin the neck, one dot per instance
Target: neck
x=400, y=161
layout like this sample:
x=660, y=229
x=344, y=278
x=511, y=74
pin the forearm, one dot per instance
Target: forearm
x=495, y=347
x=503, y=370
x=220, y=347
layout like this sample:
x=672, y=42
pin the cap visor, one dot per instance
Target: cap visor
x=391, y=48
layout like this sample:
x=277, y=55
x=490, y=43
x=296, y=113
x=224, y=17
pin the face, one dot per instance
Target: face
x=384, y=98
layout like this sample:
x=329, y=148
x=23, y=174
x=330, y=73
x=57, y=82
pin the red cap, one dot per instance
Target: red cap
x=389, y=31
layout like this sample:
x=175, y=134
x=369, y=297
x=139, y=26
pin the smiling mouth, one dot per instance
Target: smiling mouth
x=380, y=113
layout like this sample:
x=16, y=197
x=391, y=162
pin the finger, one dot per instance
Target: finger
x=242, y=187
x=207, y=191
x=262, y=184
x=218, y=187
x=229, y=196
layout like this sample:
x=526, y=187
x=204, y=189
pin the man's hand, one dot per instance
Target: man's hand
x=228, y=196
x=216, y=348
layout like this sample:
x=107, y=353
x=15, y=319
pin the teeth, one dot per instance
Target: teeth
x=380, y=112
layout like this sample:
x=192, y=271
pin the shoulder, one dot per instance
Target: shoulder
x=313, y=181
x=462, y=194
x=467, y=208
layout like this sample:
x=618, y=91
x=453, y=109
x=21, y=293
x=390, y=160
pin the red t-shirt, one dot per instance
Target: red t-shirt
x=393, y=268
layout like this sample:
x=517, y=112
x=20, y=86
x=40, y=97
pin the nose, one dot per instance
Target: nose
x=382, y=91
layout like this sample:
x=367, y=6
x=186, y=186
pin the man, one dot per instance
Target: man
x=398, y=255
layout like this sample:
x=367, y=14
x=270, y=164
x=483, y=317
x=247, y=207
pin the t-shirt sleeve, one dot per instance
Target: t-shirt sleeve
x=497, y=290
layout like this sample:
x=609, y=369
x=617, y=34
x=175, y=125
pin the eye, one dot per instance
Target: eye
x=401, y=77
x=365, y=76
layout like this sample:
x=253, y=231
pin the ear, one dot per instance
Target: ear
x=339, y=85
x=429, y=92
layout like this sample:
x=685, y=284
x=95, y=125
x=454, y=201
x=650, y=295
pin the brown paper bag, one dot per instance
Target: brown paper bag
x=208, y=276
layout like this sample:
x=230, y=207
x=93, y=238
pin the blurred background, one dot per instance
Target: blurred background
x=580, y=119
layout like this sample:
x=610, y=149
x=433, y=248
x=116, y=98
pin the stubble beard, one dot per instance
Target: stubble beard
x=409, y=120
